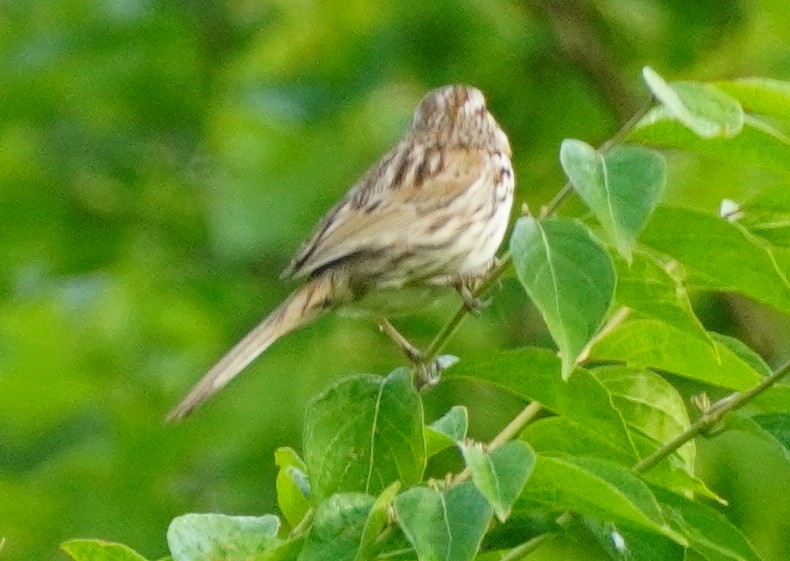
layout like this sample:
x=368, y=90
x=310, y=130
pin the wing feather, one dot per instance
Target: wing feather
x=371, y=217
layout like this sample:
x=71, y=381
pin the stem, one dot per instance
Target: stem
x=629, y=125
x=618, y=137
x=617, y=318
x=304, y=525
x=516, y=425
x=710, y=418
x=449, y=328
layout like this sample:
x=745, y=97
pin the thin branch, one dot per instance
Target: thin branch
x=616, y=319
x=304, y=525
x=710, y=418
x=516, y=425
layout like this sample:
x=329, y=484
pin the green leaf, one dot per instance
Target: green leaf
x=293, y=487
x=650, y=404
x=97, y=550
x=775, y=399
x=378, y=517
x=363, y=434
x=534, y=374
x=337, y=528
x=724, y=251
x=206, y=537
x=570, y=278
x=758, y=144
x=743, y=352
x=703, y=108
x=621, y=187
x=597, y=488
x=760, y=95
x=447, y=430
x=648, y=343
x=501, y=474
x=444, y=525
x=287, y=550
x=767, y=214
x=558, y=435
x=654, y=289
x=708, y=532
x=773, y=428
x=625, y=543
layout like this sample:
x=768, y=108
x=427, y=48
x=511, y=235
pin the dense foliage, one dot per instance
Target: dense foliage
x=160, y=164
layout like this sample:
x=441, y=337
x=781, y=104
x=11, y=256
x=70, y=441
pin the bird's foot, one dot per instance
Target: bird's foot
x=466, y=289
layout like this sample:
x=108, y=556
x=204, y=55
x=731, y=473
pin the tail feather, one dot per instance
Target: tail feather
x=300, y=308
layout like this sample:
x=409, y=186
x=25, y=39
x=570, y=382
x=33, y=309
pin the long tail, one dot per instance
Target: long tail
x=303, y=306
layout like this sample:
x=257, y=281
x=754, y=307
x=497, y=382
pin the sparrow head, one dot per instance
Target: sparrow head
x=457, y=115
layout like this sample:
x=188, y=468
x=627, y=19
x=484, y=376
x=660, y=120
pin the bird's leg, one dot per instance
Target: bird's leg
x=412, y=353
x=426, y=373
x=465, y=286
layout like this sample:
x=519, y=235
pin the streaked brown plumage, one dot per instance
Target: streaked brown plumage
x=432, y=211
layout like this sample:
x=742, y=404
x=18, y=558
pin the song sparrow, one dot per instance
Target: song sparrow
x=432, y=211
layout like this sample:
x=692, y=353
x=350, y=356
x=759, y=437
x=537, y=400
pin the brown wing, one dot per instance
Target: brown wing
x=386, y=205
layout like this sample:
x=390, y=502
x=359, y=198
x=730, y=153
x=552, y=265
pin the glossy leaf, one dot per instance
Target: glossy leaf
x=767, y=214
x=597, y=488
x=558, y=435
x=758, y=144
x=534, y=374
x=654, y=289
x=707, y=111
x=626, y=543
x=773, y=428
x=363, y=434
x=286, y=550
x=743, y=352
x=447, y=430
x=775, y=399
x=500, y=474
x=650, y=404
x=97, y=550
x=336, y=531
x=293, y=487
x=708, y=532
x=444, y=525
x=206, y=537
x=714, y=246
x=621, y=187
x=764, y=96
x=570, y=278
x=377, y=519
x=652, y=344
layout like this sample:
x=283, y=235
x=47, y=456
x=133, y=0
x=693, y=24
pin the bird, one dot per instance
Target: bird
x=432, y=212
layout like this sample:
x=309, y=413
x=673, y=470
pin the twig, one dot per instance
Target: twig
x=516, y=425
x=304, y=524
x=710, y=418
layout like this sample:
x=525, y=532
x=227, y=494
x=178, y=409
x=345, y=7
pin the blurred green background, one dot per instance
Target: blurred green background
x=161, y=161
